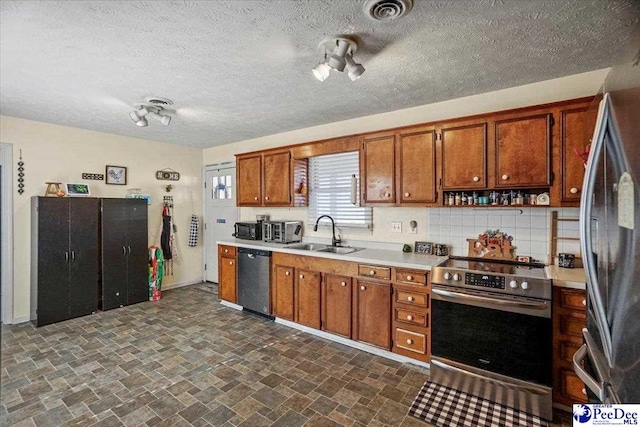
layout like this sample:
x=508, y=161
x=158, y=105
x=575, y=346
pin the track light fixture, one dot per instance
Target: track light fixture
x=337, y=54
x=139, y=116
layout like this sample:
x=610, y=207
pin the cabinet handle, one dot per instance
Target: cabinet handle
x=230, y=262
x=362, y=288
x=505, y=177
x=476, y=178
x=584, y=302
x=343, y=283
x=387, y=194
x=286, y=273
x=266, y=197
x=255, y=198
x=409, y=298
x=573, y=190
x=409, y=277
x=409, y=341
x=407, y=194
x=124, y=251
x=372, y=272
x=66, y=257
x=302, y=276
x=409, y=317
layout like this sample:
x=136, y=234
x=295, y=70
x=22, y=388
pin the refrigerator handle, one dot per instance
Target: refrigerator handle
x=594, y=386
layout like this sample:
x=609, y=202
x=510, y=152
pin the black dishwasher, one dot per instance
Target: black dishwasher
x=253, y=280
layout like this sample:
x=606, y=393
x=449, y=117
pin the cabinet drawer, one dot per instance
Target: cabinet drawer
x=571, y=325
x=374, y=271
x=573, y=299
x=572, y=387
x=411, y=317
x=227, y=250
x=417, y=299
x=411, y=341
x=411, y=276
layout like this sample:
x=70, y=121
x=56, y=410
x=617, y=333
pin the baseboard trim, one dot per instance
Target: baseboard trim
x=21, y=319
x=181, y=284
x=231, y=305
x=352, y=343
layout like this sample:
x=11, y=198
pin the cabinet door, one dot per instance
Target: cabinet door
x=53, y=260
x=417, y=153
x=276, y=177
x=84, y=260
x=523, y=152
x=114, y=254
x=283, y=293
x=227, y=279
x=378, y=171
x=308, y=298
x=373, y=313
x=464, y=157
x=249, y=181
x=577, y=131
x=137, y=251
x=336, y=305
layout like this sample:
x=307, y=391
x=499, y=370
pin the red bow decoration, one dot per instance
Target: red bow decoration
x=583, y=156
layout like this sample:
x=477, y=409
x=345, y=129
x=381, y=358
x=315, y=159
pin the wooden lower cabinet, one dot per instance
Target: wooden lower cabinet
x=307, y=298
x=372, y=313
x=227, y=274
x=569, y=317
x=283, y=292
x=336, y=305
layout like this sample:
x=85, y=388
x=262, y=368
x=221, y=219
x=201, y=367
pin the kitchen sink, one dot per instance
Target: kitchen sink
x=341, y=250
x=309, y=246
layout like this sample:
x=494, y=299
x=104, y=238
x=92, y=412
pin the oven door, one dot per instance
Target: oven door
x=509, y=336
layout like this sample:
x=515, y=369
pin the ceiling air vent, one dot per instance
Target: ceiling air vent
x=387, y=10
x=158, y=101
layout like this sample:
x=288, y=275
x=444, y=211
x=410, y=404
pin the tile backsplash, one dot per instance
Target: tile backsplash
x=528, y=226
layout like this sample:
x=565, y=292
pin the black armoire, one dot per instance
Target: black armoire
x=125, y=274
x=64, y=258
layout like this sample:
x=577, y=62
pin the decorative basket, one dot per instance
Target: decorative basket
x=496, y=248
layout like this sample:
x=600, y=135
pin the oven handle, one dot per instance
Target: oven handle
x=492, y=302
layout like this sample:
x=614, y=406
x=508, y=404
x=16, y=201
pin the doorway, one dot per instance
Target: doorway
x=6, y=233
x=220, y=213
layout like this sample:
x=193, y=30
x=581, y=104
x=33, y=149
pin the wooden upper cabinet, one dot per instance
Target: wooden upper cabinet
x=249, y=181
x=336, y=305
x=373, y=313
x=227, y=278
x=277, y=179
x=464, y=157
x=523, y=151
x=378, y=168
x=417, y=158
x=307, y=298
x=283, y=292
x=577, y=132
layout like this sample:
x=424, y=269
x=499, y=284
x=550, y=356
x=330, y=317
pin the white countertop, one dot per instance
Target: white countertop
x=566, y=277
x=386, y=257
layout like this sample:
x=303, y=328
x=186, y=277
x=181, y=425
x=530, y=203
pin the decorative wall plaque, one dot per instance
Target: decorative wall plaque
x=93, y=176
x=167, y=175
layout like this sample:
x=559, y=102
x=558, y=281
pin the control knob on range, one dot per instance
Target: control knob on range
x=513, y=284
x=456, y=277
x=447, y=275
x=524, y=285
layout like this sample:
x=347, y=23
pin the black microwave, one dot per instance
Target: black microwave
x=248, y=230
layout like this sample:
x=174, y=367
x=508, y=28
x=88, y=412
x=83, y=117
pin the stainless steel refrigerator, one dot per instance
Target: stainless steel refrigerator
x=609, y=361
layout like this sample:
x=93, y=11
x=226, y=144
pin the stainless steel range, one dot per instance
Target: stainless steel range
x=492, y=332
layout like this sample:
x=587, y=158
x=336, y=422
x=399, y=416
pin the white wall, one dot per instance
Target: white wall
x=570, y=87
x=59, y=153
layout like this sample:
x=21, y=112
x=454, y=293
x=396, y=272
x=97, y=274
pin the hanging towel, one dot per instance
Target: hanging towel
x=165, y=238
x=193, y=231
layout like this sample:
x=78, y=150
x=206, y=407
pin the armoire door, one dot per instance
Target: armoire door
x=137, y=251
x=114, y=254
x=53, y=260
x=84, y=260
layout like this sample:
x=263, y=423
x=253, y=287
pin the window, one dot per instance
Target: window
x=330, y=179
x=221, y=186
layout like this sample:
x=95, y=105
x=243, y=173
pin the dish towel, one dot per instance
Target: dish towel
x=193, y=231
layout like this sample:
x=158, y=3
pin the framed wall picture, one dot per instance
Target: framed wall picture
x=424, y=248
x=116, y=175
x=77, y=190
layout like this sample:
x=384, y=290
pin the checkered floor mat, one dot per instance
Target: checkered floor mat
x=445, y=407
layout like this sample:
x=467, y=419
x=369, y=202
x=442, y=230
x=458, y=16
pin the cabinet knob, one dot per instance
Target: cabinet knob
x=230, y=262
x=286, y=273
x=584, y=302
x=407, y=194
x=476, y=178
x=302, y=276
x=343, y=283
x=362, y=288
x=409, y=277
x=117, y=294
x=505, y=177
x=584, y=391
x=409, y=298
x=372, y=272
x=255, y=198
x=226, y=251
x=573, y=190
x=409, y=341
x=409, y=317
x=266, y=197
x=387, y=194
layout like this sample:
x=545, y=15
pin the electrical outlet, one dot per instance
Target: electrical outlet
x=396, y=227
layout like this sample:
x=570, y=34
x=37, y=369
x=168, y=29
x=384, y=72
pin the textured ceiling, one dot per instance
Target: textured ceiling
x=242, y=69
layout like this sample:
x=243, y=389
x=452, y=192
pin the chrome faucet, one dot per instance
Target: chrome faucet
x=334, y=241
